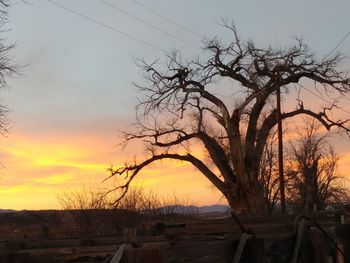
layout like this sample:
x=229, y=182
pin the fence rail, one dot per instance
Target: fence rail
x=199, y=240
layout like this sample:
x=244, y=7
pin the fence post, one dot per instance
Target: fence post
x=343, y=235
x=253, y=251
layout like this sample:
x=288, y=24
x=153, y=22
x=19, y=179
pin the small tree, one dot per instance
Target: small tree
x=313, y=171
x=222, y=103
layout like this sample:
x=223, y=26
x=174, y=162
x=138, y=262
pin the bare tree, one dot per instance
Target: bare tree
x=4, y=5
x=223, y=103
x=7, y=66
x=313, y=171
x=269, y=175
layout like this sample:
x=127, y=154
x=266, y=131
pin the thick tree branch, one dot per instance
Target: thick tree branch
x=131, y=171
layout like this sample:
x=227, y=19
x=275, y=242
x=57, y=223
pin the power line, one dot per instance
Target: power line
x=334, y=49
x=322, y=98
x=147, y=23
x=339, y=43
x=167, y=18
x=105, y=25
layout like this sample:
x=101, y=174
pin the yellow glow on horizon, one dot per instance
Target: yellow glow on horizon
x=38, y=169
x=17, y=189
x=28, y=197
x=52, y=154
x=53, y=179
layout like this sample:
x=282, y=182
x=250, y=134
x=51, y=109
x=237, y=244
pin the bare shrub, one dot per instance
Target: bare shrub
x=85, y=208
x=94, y=213
x=175, y=206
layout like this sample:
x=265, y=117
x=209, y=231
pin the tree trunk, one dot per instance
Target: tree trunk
x=247, y=198
x=312, y=201
x=309, y=202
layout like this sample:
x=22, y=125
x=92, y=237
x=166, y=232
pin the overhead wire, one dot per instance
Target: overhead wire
x=114, y=6
x=329, y=53
x=93, y=20
x=338, y=45
x=320, y=97
x=159, y=48
x=166, y=18
x=196, y=34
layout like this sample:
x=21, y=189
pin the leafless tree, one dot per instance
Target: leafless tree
x=7, y=66
x=4, y=4
x=223, y=102
x=313, y=171
x=269, y=175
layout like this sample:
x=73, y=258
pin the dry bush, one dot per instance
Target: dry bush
x=85, y=208
x=95, y=213
x=175, y=206
x=140, y=207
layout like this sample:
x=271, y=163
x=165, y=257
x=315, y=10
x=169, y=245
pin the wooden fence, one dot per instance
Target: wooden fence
x=199, y=240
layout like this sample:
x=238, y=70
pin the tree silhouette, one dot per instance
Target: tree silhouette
x=223, y=102
x=314, y=180
x=269, y=175
x=7, y=66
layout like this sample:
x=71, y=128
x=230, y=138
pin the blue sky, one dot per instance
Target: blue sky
x=77, y=70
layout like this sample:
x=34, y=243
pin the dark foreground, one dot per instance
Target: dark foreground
x=47, y=236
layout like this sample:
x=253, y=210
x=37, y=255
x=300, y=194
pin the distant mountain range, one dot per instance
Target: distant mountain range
x=177, y=208
x=182, y=209
x=213, y=209
x=7, y=211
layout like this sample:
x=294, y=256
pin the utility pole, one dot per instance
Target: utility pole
x=280, y=145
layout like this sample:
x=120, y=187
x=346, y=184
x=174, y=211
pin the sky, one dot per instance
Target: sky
x=75, y=90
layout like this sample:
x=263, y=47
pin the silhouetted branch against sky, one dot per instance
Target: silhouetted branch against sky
x=8, y=67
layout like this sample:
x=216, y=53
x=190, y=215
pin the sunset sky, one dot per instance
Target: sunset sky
x=75, y=91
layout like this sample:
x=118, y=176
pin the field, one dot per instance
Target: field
x=54, y=236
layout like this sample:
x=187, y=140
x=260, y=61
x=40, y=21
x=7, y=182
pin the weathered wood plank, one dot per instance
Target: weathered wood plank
x=143, y=255
x=343, y=235
x=214, y=251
